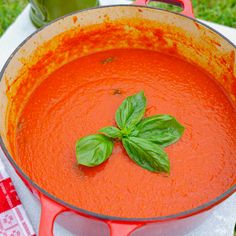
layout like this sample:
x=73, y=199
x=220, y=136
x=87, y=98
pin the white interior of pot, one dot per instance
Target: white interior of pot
x=120, y=27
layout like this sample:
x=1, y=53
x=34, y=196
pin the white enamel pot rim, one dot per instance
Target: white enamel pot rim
x=180, y=215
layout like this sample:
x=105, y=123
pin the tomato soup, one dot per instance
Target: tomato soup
x=82, y=96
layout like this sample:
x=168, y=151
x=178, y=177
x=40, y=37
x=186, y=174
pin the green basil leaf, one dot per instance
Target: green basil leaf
x=161, y=129
x=147, y=154
x=93, y=150
x=111, y=132
x=131, y=111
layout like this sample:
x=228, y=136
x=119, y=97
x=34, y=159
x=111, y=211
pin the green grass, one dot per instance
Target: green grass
x=219, y=11
x=9, y=10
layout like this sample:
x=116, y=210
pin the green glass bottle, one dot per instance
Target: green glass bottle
x=44, y=11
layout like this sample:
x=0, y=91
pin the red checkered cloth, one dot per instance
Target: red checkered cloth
x=13, y=218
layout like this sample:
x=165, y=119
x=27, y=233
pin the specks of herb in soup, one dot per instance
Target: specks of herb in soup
x=107, y=60
x=116, y=92
x=19, y=125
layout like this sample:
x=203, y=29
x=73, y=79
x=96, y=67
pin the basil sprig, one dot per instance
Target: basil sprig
x=147, y=154
x=93, y=150
x=160, y=129
x=131, y=111
x=142, y=138
x=111, y=132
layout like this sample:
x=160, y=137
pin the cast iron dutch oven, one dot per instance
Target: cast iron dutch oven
x=193, y=40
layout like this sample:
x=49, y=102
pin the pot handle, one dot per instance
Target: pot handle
x=49, y=211
x=122, y=229
x=185, y=4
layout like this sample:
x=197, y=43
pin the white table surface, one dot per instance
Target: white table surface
x=220, y=223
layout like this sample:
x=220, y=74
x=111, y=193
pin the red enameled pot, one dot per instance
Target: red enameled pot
x=193, y=40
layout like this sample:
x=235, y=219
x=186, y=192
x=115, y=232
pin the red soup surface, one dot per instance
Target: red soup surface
x=82, y=96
